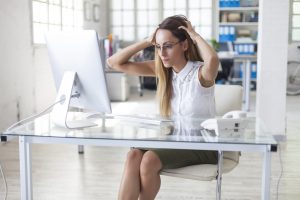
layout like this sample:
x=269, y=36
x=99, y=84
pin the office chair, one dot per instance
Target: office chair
x=227, y=98
x=226, y=72
x=226, y=57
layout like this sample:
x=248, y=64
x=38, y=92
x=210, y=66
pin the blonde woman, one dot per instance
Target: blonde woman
x=186, y=68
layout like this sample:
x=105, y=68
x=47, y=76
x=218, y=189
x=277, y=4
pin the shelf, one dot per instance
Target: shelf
x=240, y=79
x=243, y=57
x=245, y=42
x=238, y=23
x=239, y=9
x=240, y=26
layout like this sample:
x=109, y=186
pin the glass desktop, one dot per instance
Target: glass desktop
x=180, y=130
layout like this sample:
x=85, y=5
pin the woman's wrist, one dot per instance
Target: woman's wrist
x=194, y=36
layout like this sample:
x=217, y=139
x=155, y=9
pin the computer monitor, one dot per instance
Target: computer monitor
x=78, y=72
x=225, y=46
x=225, y=50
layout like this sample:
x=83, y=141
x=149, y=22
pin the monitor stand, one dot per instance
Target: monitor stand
x=60, y=110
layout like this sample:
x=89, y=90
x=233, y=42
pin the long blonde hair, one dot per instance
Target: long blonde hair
x=164, y=74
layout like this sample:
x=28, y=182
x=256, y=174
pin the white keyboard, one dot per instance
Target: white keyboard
x=153, y=120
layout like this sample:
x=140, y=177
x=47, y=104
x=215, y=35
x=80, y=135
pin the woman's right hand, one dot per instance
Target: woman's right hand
x=151, y=38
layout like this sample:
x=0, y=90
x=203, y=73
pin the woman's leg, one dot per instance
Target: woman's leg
x=130, y=184
x=149, y=172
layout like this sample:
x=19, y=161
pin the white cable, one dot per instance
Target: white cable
x=4, y=181
x=281, y=171
x=35, y=116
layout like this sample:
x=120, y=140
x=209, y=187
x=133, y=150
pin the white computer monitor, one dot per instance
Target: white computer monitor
x=78, y=71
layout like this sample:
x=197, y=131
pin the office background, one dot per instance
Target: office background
x=26, y=82
x=26, y=79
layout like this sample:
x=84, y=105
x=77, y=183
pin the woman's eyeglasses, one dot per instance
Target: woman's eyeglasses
x=168, y=46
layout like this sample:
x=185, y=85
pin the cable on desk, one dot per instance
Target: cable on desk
x=4, y=181
x=33, y=116
x=39, y=114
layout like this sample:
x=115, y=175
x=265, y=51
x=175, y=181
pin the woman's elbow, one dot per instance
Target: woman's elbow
x=110, y=63
x=215, y=60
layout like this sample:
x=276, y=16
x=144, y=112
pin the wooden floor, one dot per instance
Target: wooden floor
x=59, y=172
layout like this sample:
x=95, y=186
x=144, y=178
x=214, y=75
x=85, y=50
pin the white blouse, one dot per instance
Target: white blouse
x=190, y=98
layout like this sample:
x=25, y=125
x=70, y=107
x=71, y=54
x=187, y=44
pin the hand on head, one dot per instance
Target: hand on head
x=150, y=39
x=189, y=29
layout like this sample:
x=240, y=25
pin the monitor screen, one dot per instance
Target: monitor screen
x=223, y=46
x=79, y=52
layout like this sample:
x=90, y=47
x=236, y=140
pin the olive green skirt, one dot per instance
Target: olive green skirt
x=176, y=158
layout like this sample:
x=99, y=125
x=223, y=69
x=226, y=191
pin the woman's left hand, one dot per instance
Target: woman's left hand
x=190, y=30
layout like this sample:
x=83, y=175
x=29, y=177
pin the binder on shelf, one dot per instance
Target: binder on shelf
x=232, y=33
x=241, y=71
x=244, y=49
x=229, y=3
x=227, y=33
x=253, y=70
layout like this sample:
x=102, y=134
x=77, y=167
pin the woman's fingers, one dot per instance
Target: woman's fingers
x=189, y=29
x=150, y=39
x=189, y=25
x=182, y=27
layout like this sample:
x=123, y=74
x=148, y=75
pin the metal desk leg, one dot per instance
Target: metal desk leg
x=219, y=177
x=25, y=168
x=266, y=176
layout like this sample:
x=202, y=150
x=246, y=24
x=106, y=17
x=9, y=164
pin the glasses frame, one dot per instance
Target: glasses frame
x=168, y=46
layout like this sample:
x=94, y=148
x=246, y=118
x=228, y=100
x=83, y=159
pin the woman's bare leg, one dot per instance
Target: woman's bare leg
x=130, y=184
x=150, y=178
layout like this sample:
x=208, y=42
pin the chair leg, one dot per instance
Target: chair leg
x=219, y=177
x=141, y=88
x=80, y=149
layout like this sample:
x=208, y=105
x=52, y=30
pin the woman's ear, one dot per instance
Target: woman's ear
x=185, y=45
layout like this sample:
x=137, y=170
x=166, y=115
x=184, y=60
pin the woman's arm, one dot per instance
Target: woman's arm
x=209, y=71
x=120, y=60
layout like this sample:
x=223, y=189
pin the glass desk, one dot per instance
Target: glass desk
x=182, y=133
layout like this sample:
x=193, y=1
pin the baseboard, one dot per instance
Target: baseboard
x=280, y=138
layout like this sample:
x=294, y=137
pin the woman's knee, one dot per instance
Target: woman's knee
x=150, y=164
x=134, y=155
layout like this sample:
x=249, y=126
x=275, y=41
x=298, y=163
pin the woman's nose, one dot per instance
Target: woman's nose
x=163, y=51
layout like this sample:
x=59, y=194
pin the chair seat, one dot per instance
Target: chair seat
x=204, y=172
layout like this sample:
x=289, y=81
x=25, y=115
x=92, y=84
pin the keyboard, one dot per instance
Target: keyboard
x=152, y=120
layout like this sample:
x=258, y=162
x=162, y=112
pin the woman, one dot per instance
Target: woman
x=186, y=68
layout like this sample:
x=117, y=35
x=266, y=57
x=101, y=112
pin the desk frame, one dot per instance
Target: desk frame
x=26, y=141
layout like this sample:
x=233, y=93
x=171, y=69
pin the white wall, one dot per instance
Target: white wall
x=272, y=64
x=26, y=83
x=16, y=62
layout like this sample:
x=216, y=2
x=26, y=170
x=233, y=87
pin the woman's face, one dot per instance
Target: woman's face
x=169, y=48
